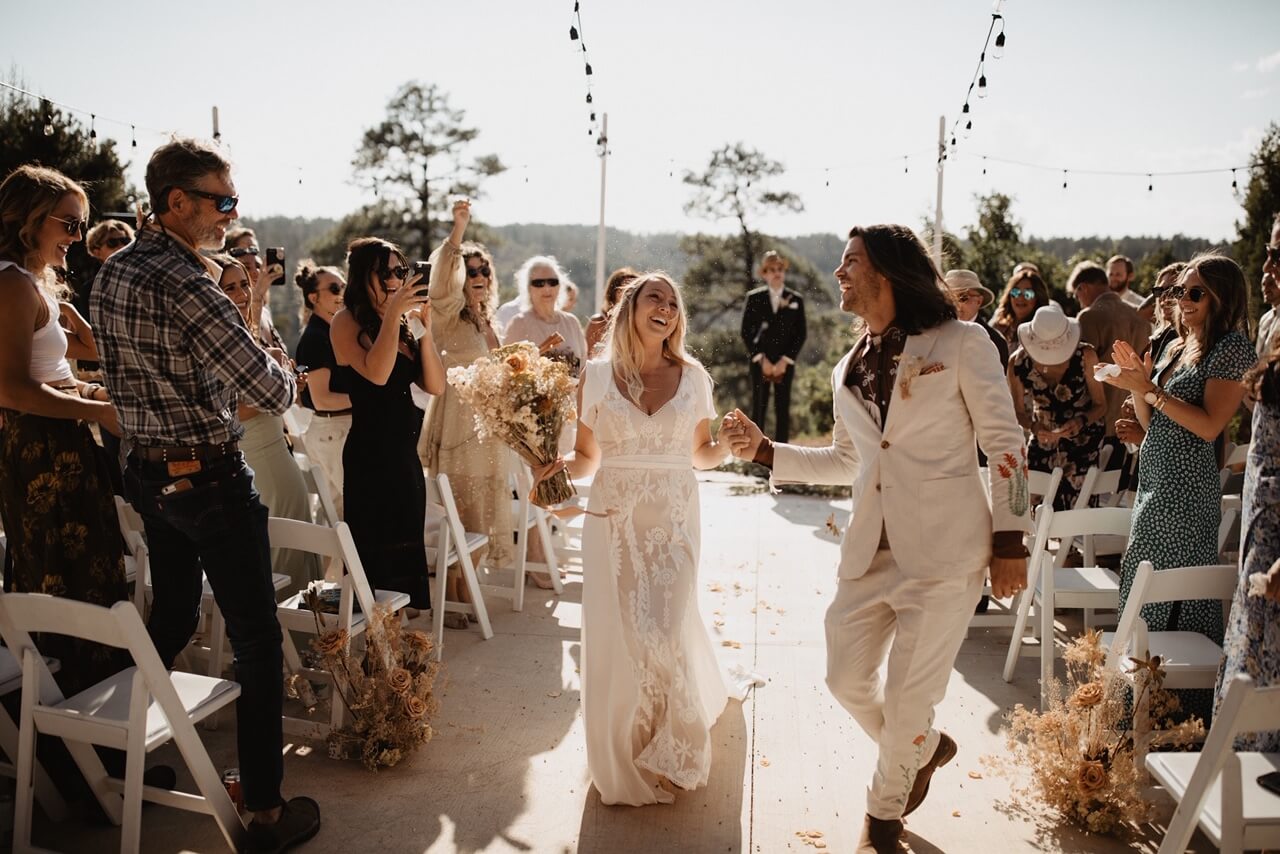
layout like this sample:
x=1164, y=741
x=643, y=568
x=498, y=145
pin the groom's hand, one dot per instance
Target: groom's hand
x=744, y=435
x=1008, y=576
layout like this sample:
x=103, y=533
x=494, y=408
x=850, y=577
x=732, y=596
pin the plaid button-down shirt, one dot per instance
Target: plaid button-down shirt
x=175, y=352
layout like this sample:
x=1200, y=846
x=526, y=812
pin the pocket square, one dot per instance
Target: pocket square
x=932, y=368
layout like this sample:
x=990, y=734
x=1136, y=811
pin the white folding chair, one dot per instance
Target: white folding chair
x=1050, y=587
x=530, y=520
x=1237, y=457
x=294, y=615
x=137, y=710
x=1217, y=788
x=999, y=613
x=296, y=418
x=11, y=680
x=318, y=485
x=449, y=543
x=1189, y=659
x=135, y=552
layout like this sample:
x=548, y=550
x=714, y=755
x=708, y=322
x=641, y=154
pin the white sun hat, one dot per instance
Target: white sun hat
x=1050, y=337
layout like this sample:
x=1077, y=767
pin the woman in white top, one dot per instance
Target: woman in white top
x=55, y=495
x=651, y=687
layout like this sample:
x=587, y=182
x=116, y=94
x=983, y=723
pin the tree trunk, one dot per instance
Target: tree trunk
x=748, y=252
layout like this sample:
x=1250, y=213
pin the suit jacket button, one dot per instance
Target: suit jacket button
x=877, y=487
x=884, y=444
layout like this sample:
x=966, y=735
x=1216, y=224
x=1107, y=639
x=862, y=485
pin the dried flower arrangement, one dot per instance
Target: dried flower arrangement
x=387, y=692
x=524, y=399
x=1079, y=751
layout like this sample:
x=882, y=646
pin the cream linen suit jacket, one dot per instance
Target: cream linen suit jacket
x=919, y=477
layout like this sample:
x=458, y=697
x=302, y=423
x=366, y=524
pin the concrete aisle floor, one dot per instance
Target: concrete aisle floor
x=507, y=768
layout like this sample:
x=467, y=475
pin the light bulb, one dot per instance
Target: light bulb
x=998, y=53
x=982, y=86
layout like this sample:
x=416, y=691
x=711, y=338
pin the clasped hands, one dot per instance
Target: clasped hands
x=741, y=434
x=773, y=372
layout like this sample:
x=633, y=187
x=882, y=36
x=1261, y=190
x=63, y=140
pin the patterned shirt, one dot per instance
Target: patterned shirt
x=175, y=351
x=874, y=369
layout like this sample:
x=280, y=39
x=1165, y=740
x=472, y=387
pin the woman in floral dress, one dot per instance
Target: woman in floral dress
x=1252, y=642
x=1193, y=396
x=1057, y=400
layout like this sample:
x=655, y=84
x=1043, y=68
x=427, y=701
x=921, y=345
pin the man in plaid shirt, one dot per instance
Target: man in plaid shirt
x=177, y=359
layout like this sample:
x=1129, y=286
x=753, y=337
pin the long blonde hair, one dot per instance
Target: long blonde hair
x=27, y=198
x=623, y=348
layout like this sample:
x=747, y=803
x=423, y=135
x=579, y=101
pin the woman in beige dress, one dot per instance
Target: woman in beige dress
x=463, y=297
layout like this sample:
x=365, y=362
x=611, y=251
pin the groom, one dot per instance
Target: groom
x=910, y=398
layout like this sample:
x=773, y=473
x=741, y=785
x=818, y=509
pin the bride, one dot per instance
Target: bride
x=651, y=687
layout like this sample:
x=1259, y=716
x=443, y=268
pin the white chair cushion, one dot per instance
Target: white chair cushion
x=108, y=701
x=1084, y=587
x=297, y=617
x=1261, y=808
x=1189, y=659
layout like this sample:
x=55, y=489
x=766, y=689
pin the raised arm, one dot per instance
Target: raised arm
x=376, y=362
x=448, y=278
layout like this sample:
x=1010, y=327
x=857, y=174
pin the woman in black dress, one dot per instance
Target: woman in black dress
x=383, y=488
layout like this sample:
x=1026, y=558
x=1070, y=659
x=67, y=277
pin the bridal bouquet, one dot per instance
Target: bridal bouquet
x=523, y=399
x=1080, y=751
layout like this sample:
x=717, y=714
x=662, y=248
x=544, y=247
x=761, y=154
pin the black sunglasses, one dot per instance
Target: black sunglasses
x=73, y=226
x=224, y=204
x=336, y=290
x=478, y=272
x=1194, y=294
x=117, y=242
x=1162, y=292
x=241, y=251
x=401, y=272
x=1273, y=254
x=544, y=283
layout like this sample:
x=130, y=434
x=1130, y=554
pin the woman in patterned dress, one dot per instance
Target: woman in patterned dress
x=1057, y=400
x=1252, y=642
x=55, y=484
x=651, y=687
x=1188, y=403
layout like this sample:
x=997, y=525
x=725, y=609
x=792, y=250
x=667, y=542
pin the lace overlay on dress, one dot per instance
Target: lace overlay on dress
x=650, y=545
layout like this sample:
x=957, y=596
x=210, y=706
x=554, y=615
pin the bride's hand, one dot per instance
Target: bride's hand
x=541, y=473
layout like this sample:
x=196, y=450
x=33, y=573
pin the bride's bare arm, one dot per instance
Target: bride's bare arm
x=707, y=452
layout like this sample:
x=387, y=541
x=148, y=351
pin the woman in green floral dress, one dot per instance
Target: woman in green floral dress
x=1195, y=392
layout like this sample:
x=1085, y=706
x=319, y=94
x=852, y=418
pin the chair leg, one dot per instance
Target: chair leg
x=134, y=762
x=1023, y=606
x=522, y=557
x=24, y=793
x=1046, y=651
x=47, y=794
x=477, y=598
x=549, y=552
x=209, y=784
x=438, y=605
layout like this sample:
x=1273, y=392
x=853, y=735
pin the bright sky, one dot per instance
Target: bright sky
x=835, y=89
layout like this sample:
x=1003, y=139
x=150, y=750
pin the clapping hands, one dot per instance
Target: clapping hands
x=1135, y=370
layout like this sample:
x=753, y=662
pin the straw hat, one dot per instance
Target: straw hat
x=1050, y=337
x=967, y=280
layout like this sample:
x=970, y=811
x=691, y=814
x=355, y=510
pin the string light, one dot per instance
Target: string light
x=1064, y=179
x=578, y=35
x=93, y=134
x=1234, y=185
x=47, y=109
x=984, y=164
x=133, y=136
x=979, y=78
x=1150, y=185
x=968, y=128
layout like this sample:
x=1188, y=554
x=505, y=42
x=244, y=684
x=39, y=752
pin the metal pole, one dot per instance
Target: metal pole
x=937, y=217
x=604, y=160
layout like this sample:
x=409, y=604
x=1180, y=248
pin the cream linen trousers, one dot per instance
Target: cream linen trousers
x=921, y=624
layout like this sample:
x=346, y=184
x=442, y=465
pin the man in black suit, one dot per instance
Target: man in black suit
x=773, y=330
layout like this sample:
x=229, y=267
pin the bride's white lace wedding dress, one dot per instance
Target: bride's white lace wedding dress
x=651, y=687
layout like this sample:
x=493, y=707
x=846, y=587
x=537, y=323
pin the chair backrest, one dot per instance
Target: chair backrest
x=131, y=527
x=1106, y=521
x=333, y=543
x=443, y=496
x=1244, y=708
x=25, y=614
x=1239, y=456
x=1170, y=585
x=1044, y=483
x=1097, y=483
x=318, y=482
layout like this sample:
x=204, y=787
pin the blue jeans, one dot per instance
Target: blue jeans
x=219, y=526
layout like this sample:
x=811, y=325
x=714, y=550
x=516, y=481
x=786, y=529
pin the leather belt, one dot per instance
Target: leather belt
x=331, y=413
x=182, y=453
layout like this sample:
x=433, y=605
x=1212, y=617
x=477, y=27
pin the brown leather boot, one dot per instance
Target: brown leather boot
x=881, y=836
x=944, y=753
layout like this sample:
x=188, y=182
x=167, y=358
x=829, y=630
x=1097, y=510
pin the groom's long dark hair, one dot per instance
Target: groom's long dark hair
x=919, y=293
